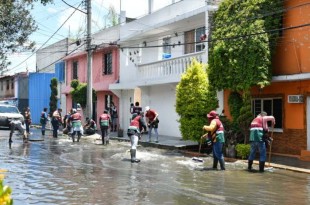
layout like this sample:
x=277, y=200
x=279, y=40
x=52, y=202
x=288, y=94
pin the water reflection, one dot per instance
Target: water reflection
x=61, y=172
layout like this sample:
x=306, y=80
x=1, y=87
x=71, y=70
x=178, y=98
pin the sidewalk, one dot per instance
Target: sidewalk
x=292, y=163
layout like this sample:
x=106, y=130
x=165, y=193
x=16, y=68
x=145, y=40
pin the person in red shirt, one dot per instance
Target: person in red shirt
x=151, y=117
x=134, y=133
x=76, y=122
x=105, y=120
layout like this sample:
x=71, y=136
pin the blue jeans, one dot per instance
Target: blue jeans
x=217, y=149
x=150, y=133
x=261, y=148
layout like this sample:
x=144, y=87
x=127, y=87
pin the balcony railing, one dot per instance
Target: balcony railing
x=168, y=70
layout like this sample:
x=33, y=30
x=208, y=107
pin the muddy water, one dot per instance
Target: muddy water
x=60, y=172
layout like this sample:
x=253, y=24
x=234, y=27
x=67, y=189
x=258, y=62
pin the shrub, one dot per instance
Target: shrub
x=243, y=150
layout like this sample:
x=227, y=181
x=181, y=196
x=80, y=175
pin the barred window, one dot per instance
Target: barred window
x=107, y=63
x=75, y=70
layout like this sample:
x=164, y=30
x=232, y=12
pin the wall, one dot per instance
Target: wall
x=162, y=99
x=39, y=93
x=293, y=51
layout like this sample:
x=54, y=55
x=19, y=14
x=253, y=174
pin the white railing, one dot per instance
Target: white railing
x=167, y=69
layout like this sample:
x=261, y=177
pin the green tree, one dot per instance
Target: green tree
x=16, y=25
x=242, y=58
x=245, y=115
x=241, y=50
x=194, y=99
x=79, y=93
x=54, y=94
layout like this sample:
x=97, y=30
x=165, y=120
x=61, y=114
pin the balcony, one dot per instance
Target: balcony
x=166, y=71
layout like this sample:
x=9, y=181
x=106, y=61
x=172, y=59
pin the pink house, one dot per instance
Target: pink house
x=105, y=71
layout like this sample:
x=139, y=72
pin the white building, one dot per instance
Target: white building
x=155, y=50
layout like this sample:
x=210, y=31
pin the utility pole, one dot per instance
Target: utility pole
x=89, y=105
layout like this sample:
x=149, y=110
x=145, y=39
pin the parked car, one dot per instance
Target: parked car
x=9, y=113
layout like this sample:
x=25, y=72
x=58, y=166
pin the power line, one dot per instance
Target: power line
x=46, y=40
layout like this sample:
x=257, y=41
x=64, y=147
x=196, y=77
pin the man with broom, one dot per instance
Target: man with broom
x=216, y=134
x=258, y=134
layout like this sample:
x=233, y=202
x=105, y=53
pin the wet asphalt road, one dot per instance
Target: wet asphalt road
x=57, y=171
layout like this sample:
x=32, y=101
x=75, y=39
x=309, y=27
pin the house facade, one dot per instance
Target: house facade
x=155, y=51
x=287, y=98
x=14, y=90
x=105, y=71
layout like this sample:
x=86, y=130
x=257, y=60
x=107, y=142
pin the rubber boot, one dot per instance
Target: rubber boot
x=222, y=163
x=133, y=156
x=261, y=166
x=215, y=161
x=79, y=137
x=73, y=137
x=103, y=140
x=43, y=132
x=250, y=162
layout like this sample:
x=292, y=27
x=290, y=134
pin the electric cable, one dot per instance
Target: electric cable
x=46, y=40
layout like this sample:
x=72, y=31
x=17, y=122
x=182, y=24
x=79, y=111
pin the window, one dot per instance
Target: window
x=166, y=45
x=272, y=106
x=199, y=33
x=75, y=70
x=192, y=40
x=7, y=84
x=107, y=63
x=12, y=84
x=107, y=100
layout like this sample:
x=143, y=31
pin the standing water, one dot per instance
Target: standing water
x=61, y=172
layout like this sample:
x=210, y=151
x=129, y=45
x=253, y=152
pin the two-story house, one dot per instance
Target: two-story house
x=105, y=70
x=288, y=96
x=155, y=51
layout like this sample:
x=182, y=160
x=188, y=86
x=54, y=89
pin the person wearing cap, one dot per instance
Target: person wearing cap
x=258, y=128
x=216, y=133
x=134, y=133
x=56, y=120
x=151, y=117
x=104, y=120
x=90, y=126
x=76, y=122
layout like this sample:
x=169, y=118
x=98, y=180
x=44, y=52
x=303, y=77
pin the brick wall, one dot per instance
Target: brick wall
x=291, y=141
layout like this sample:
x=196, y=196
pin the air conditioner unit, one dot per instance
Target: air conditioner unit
x=295, y=98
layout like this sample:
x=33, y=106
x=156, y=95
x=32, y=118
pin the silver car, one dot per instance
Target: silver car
x=9, y=113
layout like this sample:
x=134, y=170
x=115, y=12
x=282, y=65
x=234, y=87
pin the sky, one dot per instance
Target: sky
x=54, y=24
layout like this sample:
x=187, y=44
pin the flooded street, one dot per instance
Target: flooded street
x=57, y=171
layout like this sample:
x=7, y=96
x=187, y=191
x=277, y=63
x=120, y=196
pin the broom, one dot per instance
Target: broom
x=269, y=167
x=196, y=158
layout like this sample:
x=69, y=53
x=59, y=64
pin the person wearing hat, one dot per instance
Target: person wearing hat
x=151, y=117
x=258, y=128
x=216, y=133
x=104, y=120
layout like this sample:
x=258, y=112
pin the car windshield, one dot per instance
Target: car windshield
x=4, y=109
